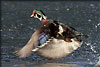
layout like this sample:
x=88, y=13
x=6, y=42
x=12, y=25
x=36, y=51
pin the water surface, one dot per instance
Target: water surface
x=17, y=28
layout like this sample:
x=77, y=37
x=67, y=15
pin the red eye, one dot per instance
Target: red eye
x=34, y=12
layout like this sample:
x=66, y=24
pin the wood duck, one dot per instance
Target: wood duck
x=52, y=40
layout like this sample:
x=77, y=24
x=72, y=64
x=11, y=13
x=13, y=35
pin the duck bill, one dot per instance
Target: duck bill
x=32, y=16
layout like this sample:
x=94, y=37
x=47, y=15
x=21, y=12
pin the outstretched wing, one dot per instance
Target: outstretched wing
x=38, y=38
x=27, y=49
x=43, y=38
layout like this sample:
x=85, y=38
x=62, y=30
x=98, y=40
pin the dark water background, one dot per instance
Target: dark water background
x=17, y=28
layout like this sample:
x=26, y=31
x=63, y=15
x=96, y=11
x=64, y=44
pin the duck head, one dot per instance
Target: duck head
x=38, y=14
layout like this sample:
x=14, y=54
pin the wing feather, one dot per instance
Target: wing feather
x=27, y=49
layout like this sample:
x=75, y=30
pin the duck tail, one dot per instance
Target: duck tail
x=86, y=36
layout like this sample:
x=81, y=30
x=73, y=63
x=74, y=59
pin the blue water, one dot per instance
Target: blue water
x=17, y=28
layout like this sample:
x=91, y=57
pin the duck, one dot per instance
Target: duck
x=52, y=39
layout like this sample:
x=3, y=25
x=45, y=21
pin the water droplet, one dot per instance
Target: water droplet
x=15, y=27
x=57, y=9
x=9, y=29
x=21, y=24
x=12, y=37
x=15, y=65
x=89, y=20
x=88, y=44
x=88, y=59
x=98, y=24
x=67, y=9
x=31, y=28
x=94, y=51
x=92, y=5
x=91, y=47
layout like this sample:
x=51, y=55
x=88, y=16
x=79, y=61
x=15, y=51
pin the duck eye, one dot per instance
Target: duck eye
x=38, y=15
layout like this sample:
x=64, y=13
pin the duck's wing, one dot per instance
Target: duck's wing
x=27, y=49
x=43, y=38
x=36, y=42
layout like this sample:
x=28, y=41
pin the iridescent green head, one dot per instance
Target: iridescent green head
x=38, y=14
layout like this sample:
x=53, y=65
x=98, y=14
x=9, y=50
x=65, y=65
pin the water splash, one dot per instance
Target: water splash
x=92, y=47
x=97, y=25
x=95, y=54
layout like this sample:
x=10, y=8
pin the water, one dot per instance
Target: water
x=17, y=28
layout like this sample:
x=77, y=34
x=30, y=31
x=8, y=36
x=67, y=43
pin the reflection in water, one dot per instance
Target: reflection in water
x=16, y=64
x=55, y=65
